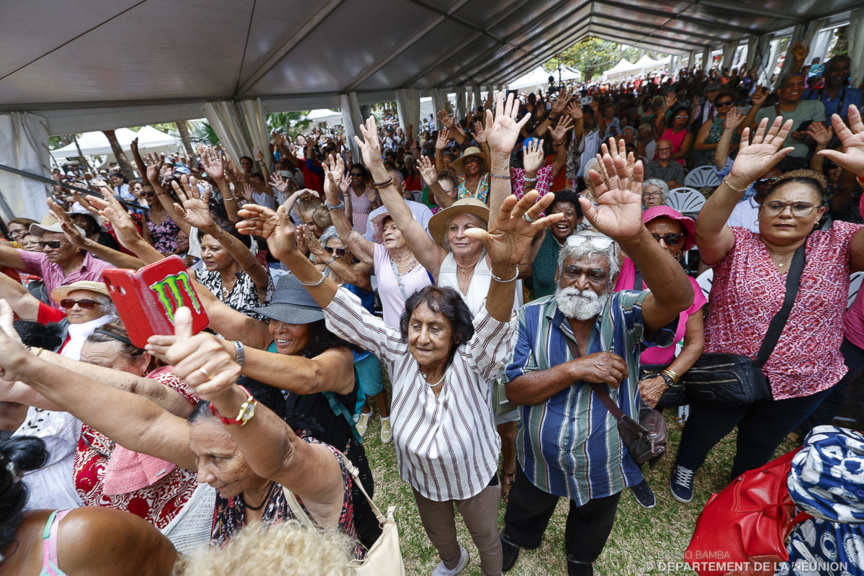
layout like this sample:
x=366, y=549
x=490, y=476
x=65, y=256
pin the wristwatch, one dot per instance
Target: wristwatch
x=668, y=379
x=247, y=411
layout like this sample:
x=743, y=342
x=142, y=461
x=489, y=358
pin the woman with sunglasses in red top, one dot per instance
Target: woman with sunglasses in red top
x=711, y=131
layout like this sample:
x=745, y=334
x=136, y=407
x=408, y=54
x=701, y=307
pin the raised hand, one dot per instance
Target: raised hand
x=819, y=133
x=532, y=156
x=756, y=158
x=561, y=103
x=203, y=361
x=154, y=164
x=517, y=224
x=618, y=190
x=559, y=133
x=276, y=227
x=276, y=181
x=196, y=210
x=574, y=110
x=134, y=146
x=852, y=139
x=427, y=170
x=800, y=51
x=13, y=355
x=314, y=245
x=334, y=174
x=671, y=99
x=212, y=162
x=759, y=96
x=502, y=129
x=112, y=210
x=733, y=118
x=247, y=191
x=479, y=133
x=257, y=154
x=443, y=138
x=447, y=120
x=73, y=233
x=370, y=146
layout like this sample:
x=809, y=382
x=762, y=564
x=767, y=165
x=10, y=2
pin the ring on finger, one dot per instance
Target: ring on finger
x=528, y=218
x=206, y=374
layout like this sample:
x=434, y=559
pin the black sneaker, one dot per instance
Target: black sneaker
x=681, y=483
x=510, y=552
x=644, y=495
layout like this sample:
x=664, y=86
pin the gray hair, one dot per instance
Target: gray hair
x=477, y=220
x=106, y=304
x=664, y=188
x=328, y=235
x=588, y=248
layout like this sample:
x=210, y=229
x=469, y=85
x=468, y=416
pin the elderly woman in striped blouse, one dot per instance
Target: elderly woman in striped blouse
x=440, y=364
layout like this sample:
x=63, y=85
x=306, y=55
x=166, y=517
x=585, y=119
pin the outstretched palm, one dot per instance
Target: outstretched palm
x=758, y=156
x=502, y=130
x=370, y=146
x=852, y=139
x=512, y=233
x=619, y=194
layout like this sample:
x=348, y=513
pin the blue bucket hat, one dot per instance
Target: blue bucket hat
x=291, y=303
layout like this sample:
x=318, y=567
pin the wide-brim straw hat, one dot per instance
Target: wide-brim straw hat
x=438, y=222
x=458, y=164
x=61, y=292
x=50, y=224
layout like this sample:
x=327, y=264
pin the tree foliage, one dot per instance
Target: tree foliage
x=593, y=56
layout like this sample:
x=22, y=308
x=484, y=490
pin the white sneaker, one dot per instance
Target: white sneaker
x=363, y=423
x=441, y=570
x=386, y=432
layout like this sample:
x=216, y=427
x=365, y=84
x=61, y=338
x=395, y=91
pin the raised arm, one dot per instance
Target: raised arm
x=19, y=299
x=127, y=233
x=268, y=444
x=440, y=145
x=429, y=254
x=130, y=420
x=430, y=176
x=334, y=173
x=559, y=144
x=114, y=257
x=502, y=131
x=851, y=158
x=724, y=146
x=139, y=162
x=215, y=169
x=154, y=165
x=619, y=216
x=754, y=159
x=196, y=209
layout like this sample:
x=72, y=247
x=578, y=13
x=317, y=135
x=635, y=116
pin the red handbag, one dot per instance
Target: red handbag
x=743, y=529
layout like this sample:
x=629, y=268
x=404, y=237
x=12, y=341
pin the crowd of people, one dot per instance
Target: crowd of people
x=504, y=274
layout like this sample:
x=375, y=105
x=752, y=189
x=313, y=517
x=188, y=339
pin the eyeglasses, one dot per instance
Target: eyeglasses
x=682, y=117
x=54, y=244
x=339, y=252
x=652, y=193
x=763, y=181
x=725, y=103
x=672, y=239
x=471, y=159
x=18, y=233
x=799, y=209
x=85, y=304
x=599, y=242
x=664, y=149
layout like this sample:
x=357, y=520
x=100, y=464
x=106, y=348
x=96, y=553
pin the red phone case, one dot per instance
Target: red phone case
x=147, y=300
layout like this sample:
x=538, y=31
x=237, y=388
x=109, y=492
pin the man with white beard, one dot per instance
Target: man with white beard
x=568, y=443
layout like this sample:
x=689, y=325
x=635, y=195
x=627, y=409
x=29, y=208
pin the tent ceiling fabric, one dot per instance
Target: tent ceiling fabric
x=89, y=53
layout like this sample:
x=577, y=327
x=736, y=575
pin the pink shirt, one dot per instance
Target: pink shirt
x=53, y=275
x=656, y=354
x=748, y=291
x=392, y=296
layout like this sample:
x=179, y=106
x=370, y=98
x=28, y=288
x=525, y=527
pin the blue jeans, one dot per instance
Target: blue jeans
x=761, y=428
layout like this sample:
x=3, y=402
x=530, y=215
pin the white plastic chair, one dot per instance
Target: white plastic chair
x=854, y=286
x=705, y=280
x=702, y=177
x=685, y=200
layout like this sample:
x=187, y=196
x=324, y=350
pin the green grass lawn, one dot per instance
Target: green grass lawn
x=640, y=537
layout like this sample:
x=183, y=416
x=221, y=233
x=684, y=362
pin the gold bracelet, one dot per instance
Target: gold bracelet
x=385, y=184
x=671, y=374
x=36, y=351
x=729, y=184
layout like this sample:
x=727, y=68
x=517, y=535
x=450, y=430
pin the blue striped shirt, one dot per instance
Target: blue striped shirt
x=569, y=445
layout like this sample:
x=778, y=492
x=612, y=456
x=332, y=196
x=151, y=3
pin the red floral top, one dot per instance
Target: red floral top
x=748, y=291
x=158, y=503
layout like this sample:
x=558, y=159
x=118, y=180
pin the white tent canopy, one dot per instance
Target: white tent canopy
x=539, y=78
x=135, y=62
x=96, y=143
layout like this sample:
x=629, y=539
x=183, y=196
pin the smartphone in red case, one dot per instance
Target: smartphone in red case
x=146, y=300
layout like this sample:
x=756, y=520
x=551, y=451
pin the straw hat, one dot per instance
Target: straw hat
x=458, y=164
x=52, y=225
x=438, y=222
x=61, y=292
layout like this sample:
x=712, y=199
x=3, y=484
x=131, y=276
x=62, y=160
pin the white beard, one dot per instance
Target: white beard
x=579, y=304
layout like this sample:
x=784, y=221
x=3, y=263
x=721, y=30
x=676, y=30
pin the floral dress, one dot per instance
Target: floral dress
x=481, y=193
x=164, y=235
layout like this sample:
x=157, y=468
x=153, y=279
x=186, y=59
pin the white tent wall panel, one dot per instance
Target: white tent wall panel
x=23, y=145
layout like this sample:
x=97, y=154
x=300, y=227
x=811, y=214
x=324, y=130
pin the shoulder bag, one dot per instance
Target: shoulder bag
x=646, y=439
x=733, y=379
x=384, y=558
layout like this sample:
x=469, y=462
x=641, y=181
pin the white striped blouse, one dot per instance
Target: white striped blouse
x=447, y=447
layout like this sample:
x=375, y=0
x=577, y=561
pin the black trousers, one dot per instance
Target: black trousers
x=761, y=428
x=834, y=402
x=529, y=510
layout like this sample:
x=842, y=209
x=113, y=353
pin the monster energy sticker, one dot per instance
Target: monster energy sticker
x=172, y=285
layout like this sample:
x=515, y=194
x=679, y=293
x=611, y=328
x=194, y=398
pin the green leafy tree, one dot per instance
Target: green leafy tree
x=291, y=123
x=593, y=56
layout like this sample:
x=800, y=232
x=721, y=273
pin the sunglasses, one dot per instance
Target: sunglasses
x=599, y=242
x=724, y=103
x=85, y=304
x=339, y=252
x=356, y=175
x=682, y=117
x=54, y=244
x=669, y=239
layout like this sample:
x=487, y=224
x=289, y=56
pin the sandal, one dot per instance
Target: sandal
x=507, y=480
